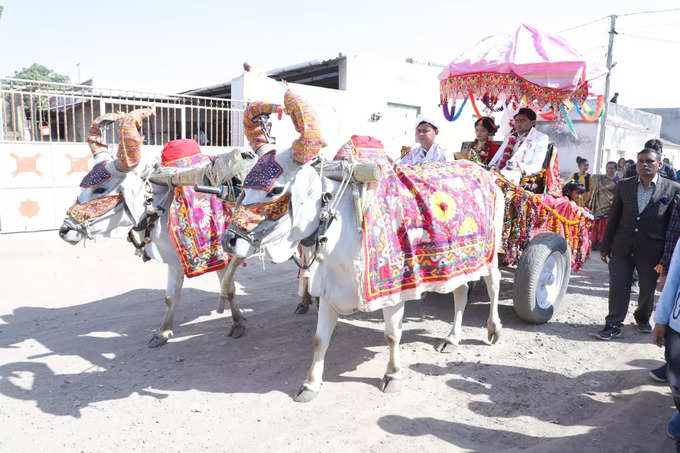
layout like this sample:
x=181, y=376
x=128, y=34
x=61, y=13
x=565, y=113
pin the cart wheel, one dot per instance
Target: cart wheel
x=542, y=278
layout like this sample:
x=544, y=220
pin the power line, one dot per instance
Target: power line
x=670, y=10
x=583, y=25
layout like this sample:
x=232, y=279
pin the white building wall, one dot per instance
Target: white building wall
x=40, y=181
x=393, y=91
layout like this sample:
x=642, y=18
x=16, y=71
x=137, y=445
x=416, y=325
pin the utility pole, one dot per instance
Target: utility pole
x=603, y=121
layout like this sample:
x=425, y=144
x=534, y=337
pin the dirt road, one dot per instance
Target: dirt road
x=76, y=375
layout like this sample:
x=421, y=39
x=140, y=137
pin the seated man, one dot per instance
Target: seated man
x=428, y=151
x=523, y=151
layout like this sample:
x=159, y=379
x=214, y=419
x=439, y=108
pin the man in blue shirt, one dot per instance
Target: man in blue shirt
x=667, y=332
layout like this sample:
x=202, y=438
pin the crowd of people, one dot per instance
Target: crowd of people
x=636, y=210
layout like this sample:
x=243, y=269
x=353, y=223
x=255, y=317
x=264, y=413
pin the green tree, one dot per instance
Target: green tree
x=39, y=72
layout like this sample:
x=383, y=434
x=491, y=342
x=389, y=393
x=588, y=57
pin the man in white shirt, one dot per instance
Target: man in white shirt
x=523, y=151
x=428, y=151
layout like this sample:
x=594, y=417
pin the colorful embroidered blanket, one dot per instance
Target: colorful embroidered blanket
x=196, y=222
x=426, y=228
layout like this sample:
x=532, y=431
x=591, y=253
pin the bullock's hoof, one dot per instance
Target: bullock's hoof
x=494, y=336
x=237, y=330
x=443, y=344
x=305, y=395
x=302, y=308
x=157, y=340
x=390, y=385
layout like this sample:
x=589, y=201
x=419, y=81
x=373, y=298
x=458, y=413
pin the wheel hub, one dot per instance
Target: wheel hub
x=550, y=280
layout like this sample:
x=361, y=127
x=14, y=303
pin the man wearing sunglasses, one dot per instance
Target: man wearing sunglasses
x=635, y=239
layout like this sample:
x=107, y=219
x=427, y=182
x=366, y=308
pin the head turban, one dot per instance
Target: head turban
x=426, y=119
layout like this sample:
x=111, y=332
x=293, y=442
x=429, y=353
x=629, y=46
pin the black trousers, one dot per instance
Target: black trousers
x=673, y=363
x=620, y=279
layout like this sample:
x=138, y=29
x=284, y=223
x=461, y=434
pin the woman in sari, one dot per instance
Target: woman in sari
x=602, y=197
x=483, y=148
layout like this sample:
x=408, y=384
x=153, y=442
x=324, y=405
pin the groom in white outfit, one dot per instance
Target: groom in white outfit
x=523, y=151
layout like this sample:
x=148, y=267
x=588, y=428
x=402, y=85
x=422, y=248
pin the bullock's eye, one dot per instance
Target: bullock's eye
x=275, y=191
x=99, y=190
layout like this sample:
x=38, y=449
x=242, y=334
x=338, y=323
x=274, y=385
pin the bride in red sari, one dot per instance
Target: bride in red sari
x=483, y=148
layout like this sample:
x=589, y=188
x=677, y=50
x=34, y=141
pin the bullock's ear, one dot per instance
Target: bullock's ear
x=305, y=201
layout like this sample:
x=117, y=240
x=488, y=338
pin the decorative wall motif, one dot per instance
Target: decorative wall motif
x=29, y=208
x=26, y=164
x=78, y=164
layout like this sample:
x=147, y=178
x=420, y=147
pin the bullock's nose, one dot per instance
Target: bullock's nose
x=63, y=230
x=228, y=241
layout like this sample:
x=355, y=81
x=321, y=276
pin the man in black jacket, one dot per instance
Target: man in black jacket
x=634, y=239
x=665, y=170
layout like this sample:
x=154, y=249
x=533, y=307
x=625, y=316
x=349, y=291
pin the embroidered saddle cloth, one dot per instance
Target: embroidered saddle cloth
x=425, y=228
x=196, y=222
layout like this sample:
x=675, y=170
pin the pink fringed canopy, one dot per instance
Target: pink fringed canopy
x=527, y=62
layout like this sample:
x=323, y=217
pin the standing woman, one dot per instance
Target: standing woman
x=583, y=177
x=483, y=148
x=621, y=168
x=601, y=199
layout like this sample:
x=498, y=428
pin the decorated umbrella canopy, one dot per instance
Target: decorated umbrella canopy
x=524, y=66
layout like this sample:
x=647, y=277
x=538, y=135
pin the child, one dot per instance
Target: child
x=573, y=190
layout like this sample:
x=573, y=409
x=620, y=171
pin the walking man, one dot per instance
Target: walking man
x=635, y=239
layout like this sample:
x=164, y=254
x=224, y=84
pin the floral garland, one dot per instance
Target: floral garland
x=480, y=154
x=509, y=149
x=526, y=212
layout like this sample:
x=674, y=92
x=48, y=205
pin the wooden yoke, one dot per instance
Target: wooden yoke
x=362, y=172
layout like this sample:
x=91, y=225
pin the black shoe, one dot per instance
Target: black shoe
x=609, y=332
x=659, y=374
x=642, y=326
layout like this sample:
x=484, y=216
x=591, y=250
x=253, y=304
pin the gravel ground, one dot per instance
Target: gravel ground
x=76, y=374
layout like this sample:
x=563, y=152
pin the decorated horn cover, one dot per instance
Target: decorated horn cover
x=253, y=129
x=306, y=123
x=94, y=139
x=131, y=138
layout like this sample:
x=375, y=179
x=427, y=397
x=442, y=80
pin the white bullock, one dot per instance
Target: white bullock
x=127, y=201
x=333, y=276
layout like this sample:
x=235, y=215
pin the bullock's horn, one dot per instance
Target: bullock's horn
x=95, y=137
x=306, y=123
x=131, y=139
x=252, y=128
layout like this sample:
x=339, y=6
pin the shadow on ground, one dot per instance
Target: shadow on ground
x=594, y=401
x=110, y=337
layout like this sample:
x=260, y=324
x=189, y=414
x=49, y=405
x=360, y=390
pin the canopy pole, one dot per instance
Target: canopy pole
x=603, y=121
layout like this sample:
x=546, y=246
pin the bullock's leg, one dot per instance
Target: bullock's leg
x=393, y=316
x=173, y=292
x=228, y=292
x=325, y=324
x=493, y=323
x=307, y=298
x=460, y=299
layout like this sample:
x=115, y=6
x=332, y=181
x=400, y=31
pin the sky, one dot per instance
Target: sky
x=170, y=46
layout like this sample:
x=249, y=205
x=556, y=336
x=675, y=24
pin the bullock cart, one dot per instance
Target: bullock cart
x=545, y=236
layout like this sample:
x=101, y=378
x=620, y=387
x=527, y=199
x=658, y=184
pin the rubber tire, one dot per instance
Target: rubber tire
x=528, y=271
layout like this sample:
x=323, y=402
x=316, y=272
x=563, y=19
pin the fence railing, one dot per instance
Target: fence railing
x=33, y=111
